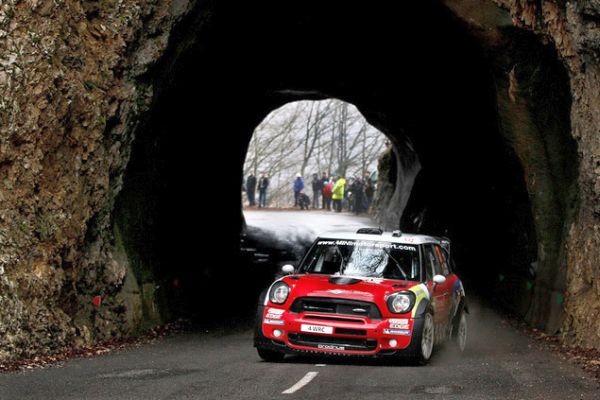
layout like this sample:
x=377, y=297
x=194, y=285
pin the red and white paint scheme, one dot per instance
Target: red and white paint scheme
x=369, y=293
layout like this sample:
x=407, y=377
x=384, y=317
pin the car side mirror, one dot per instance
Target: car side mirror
x=289, y=269
x=439, y=279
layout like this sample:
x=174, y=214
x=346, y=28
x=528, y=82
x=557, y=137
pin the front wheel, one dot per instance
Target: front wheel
x=427, y=339
x=260, y=341
x=270, y=355
x=421, y=347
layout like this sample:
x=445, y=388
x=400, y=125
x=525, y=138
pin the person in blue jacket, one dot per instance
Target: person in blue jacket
x=298, y=186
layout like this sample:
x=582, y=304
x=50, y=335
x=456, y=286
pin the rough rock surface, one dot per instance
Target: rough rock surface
x=574, y=29
x=69, y=99
x=72, y=89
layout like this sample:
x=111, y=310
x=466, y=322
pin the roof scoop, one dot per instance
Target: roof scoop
x=343, y=280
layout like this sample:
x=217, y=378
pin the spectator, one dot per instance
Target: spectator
x=348, y=201
x=358, y=196
x=324, y=181
x=327, y=191
x=251, y=189
x=317, y=187
x=263, y=184
x=298, y=186
x=338, y=193
x=303, y=201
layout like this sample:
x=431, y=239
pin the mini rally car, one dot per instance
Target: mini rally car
x=365, y=293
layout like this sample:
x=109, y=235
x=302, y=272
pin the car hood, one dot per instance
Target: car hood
x=344, y=287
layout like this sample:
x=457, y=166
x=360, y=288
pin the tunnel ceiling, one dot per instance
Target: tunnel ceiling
x=476, y=100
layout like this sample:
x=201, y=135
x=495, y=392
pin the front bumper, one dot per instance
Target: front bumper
x=335, y=334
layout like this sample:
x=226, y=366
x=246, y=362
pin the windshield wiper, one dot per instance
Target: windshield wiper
x=397, y=264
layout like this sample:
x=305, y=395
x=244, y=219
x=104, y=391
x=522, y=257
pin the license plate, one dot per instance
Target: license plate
x=328, y=330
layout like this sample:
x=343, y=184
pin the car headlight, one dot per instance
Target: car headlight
x=402, y=302
x=279, y=293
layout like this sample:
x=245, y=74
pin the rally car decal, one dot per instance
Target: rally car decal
x=422, y=299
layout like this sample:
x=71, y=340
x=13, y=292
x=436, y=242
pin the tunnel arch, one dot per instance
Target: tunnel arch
x=210, y=72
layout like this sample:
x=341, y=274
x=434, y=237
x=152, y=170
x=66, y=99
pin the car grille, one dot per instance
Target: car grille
x=346, y=331
x=317, y=341
x=336, y=306
x=334, y=319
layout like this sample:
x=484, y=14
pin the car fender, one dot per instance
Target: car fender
x=422, y=300
x=459, y=301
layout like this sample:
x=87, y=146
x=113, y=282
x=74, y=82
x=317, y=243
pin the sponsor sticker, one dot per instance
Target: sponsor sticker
x=274, y=322
x=399, y=326
x=274, y=313
x=367, y=243
x=399, y=323
x=401, y=332
x=330, y=347
x=328, y=330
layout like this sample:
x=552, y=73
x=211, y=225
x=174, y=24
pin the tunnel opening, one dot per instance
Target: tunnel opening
x=314, y=141
x=459, y=166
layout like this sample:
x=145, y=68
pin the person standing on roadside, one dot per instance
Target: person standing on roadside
x=263, y=184
x=298, y=186
x=338, y=193
x=251, y=189
x=324, y=181
x=327, y=191
x=358, y=196
x=317, y=187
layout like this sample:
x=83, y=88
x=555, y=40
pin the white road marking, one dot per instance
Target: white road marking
x=301, y=383
x=320, y=365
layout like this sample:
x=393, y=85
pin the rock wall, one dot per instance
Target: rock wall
x=70, y=96
x=573, y=28
x=75, y=81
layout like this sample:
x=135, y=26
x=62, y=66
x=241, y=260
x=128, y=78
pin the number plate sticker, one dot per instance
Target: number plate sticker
x=328, y=330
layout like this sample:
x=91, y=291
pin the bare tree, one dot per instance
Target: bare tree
x=311, y=136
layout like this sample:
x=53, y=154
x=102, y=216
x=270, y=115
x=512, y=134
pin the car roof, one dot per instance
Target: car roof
x=403, y=238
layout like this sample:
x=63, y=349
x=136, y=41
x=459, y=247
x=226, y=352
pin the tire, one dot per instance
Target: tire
x=269, y=355
x=260, y=341
x=421, y=347
x=427, y=339
x=260, y=308
x=459, y=331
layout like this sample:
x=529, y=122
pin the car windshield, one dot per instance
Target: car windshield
x=365, y=258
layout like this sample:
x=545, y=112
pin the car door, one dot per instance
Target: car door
x=440, y=295
x=453, y=284
x=447, y=286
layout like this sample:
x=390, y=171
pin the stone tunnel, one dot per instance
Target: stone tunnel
x=127, y=183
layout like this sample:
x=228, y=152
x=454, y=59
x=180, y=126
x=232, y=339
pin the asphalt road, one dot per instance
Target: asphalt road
x=499, y=363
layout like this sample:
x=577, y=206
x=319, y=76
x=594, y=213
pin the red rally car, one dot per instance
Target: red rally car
x=368, y=293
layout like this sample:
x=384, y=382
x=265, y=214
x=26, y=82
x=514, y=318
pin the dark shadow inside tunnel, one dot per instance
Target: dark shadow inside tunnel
x=434, y=95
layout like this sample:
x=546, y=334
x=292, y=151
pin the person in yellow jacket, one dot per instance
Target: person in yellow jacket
x=337, y=194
